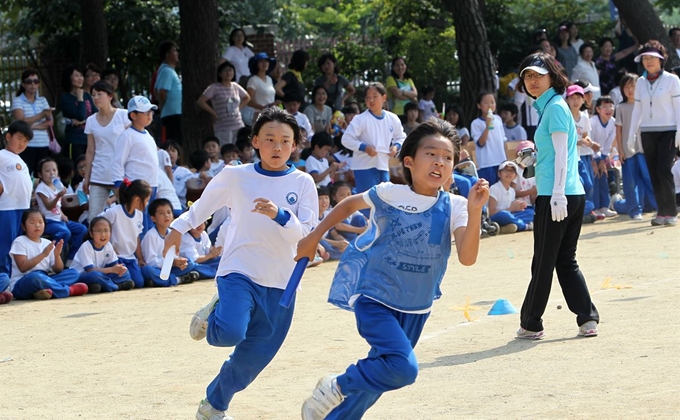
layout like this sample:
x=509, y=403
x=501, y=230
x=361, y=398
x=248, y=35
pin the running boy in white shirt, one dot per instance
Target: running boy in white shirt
x=272, y=207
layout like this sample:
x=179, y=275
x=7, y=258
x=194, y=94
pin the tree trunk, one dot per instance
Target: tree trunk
x=645, y=24
x=199, y=40
x=94, y=32
x=474, y=55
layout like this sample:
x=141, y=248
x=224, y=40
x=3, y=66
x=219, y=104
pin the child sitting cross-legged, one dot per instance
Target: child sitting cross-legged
x=160, y=211
x=512, y=215
x=354, y=225
x=97, y=262
x=197, y=248
x=333, y=242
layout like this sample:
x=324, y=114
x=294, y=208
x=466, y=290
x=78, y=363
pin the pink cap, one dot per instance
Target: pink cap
x=525, y=144
x=575, y=89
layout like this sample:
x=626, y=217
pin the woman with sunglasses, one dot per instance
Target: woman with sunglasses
x=29, y=106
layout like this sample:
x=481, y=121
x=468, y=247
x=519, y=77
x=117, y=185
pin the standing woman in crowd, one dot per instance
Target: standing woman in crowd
x=291, y=81
x=76, y=105
x=111, y=76
x=29, y=106
x=339, y=89
x=400, y=87
x=657, y=114
x=585, y=69
x=260, y=87
x=559, y=205
x=91, y=75
x=227, y=98
x=574, y=39
x=102, y=130
x=607, y=65
x=238, y=53
x=566, y=55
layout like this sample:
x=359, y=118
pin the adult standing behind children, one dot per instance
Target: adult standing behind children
x=16, y=188
x=136, y=156
x=228, y=98
x=168, y=91
x=76, y=105
x=273, y=206
x=400, y=87
x=291, y=81
x=559, y=205
x=29, y=106
x=260, y=87
x=102, y=129
x=339, y=89
x=657, y=115
x=238, y=53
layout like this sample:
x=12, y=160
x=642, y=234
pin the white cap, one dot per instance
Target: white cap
x=140, y=104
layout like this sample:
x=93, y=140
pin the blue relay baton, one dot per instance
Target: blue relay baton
x=294, y=282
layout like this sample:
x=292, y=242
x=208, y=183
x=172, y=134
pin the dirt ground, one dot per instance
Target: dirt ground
x=128, y=355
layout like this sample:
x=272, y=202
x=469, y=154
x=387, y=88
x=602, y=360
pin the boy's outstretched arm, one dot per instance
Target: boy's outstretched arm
x=467, y=238
x=307, y=245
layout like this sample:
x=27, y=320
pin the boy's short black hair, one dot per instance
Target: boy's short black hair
x=349, y=109
x=242, y=143
x=243, y=133
x=428, y=89
x=21, y=127
x=323, y=191
x=292, y=97
x=511, y=108
x=65, y=168
x=159, y=202
x=165, y=47
x=321, y=139
x=410, y=107
x=209, y=139
x=228, y=148
x=198, y=159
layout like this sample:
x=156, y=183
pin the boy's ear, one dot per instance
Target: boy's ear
x=408, y=162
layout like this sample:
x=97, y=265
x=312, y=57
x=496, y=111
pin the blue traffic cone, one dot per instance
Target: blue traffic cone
x=502, y=307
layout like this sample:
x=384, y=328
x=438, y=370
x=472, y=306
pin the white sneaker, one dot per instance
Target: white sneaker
x=606, y=212
x=589, y=329
x=637, y=217
x=529, y=335
x=208, y=412
x=324, y=399
x=199, y=322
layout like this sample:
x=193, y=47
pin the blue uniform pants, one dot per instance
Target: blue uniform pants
x=365, y=179
x=637, y=187
x=10, y=228
x=154, y=274
x=207, y=269
x=72, y=233
x=38, y=280
x=4, y=282
x=391, y=363
x=519, y=218
x=134, y=271
x=249, y=317
x=464, y=183
x=108, y=282
x=490, y=174
x=600, y=189
x=585, y=170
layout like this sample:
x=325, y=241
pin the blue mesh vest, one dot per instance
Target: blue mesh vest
x=400, y=260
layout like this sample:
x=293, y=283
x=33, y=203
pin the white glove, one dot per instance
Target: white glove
x=558, y=207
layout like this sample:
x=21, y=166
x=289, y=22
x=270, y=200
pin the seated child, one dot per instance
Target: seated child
x=97, y=263
x=212, y=146
x=246, y=152
x=127, y=222
x=512, y=215
x=180, y=174
x=296, y=159
x=292, y=102
x=5, y=295
x=333, y=242
x=354, y=225
x=32, y=258
x=317, y=165
x=464, y=176
x=229, y=154
x=513, y=130
x=182, y=272
x=525, y=188
x=49, y=202
x=200, y=161
x=197, y=248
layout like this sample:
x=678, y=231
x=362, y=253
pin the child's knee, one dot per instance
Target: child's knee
x=224, y=333
x=402, y=371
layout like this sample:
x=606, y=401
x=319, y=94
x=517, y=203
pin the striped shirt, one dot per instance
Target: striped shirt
x=31, y=109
